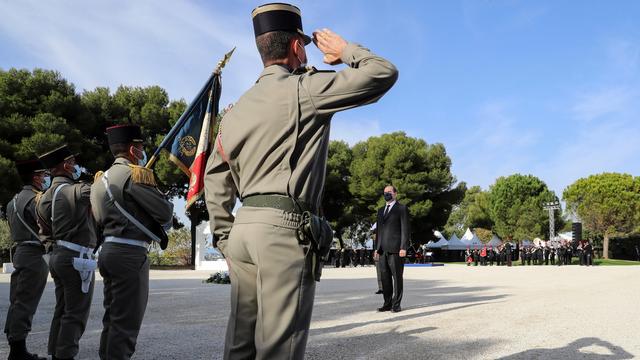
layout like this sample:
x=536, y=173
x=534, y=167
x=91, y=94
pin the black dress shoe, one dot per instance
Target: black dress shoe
x=396, y=309
x=384, y=308
x=378, y=292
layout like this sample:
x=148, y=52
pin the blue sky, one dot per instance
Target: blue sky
x=549, y=88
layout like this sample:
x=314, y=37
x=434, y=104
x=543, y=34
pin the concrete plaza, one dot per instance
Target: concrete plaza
x=450, y=312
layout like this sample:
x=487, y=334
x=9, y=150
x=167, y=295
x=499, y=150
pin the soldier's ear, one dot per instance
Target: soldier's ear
x=133, y=152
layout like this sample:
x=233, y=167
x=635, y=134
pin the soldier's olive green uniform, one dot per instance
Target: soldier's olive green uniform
x=30, y=275
x=275, y=141
x=72, y=223
x=125, y=267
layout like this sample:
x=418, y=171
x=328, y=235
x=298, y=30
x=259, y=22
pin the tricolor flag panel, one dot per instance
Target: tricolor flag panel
x=196, y=181
x=182, y=150
x=189, y=141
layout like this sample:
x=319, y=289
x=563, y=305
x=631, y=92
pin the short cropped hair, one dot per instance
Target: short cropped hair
x=120, y=150
x=393, y=187
x=274, y=45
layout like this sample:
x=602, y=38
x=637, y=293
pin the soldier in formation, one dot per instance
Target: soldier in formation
x=29, y=276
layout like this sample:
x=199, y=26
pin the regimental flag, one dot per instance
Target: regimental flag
x=196, y=175
x=189, y=141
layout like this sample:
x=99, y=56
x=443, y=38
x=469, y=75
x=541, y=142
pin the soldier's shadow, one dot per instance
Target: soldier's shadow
x=407, y=316
x=340, y=298
x=390, y=344
x=589, y=348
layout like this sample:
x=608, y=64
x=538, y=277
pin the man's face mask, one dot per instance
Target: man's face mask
x=46, y=182
x=302, y=63
x=388, y=196
x=141, y=155
x=75, y=171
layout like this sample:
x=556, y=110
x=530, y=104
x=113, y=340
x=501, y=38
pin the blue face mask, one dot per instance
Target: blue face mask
x=76, y=172
x=142, y=161
x=46, y=183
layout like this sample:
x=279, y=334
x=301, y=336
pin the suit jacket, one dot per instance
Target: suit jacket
x=392, y=230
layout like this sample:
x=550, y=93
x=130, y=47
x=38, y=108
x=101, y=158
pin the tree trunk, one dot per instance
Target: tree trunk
x=605, y=246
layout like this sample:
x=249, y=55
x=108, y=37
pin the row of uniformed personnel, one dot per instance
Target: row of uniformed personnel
x=71, y=216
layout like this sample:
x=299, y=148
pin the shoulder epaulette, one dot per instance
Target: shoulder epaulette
x=142, y=175
x=98, y=175
x=38, y=197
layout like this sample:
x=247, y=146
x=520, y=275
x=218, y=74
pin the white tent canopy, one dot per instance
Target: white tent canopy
x=455, y=244
x=495, y=241
x=438, y=235
x=468, y=235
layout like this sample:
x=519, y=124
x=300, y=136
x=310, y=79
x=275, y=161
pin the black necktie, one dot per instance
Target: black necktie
x=386, y=210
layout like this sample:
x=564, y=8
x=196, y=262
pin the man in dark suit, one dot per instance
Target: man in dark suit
x=391, y=248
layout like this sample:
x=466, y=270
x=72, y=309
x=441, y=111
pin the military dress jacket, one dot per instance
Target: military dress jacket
x=139, y=197
x=275, y=139
x=72, y=221
x=25, y=205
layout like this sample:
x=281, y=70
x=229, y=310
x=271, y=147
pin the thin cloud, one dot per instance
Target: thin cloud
x=495, y=144
x=173, y=44
x=353, y=131
x=607, y=101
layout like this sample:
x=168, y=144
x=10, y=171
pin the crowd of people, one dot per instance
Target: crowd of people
x=501, y=255
x=350, y=257
x=538, y=254
x=561, y=253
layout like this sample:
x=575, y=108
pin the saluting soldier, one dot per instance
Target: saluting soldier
x=271, y=149
x=64, y=216
x=29, y=276
x=131, y=212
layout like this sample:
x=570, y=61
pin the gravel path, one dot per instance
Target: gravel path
x=450, y=312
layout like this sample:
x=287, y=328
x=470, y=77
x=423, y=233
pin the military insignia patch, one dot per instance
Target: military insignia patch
x=187, y=146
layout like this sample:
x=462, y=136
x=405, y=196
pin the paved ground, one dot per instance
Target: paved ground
x=451, y=312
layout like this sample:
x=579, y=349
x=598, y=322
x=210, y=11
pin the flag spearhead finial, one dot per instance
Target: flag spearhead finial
x=224, y=61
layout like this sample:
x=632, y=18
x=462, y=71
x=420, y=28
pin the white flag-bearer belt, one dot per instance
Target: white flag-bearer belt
x=131, y=218
x=84, y=263
x=73, y=246
x=120, y=240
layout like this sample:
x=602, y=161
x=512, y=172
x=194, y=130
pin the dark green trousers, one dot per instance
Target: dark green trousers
x=27, y=284
x=125, y=273
x=72, y=305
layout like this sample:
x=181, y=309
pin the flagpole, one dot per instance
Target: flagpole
x=178, y=125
